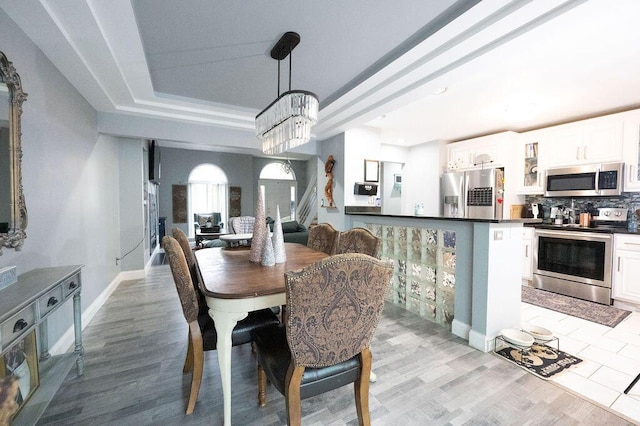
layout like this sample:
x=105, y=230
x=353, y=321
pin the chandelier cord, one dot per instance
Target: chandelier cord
x=278, y=79
x=290, y=55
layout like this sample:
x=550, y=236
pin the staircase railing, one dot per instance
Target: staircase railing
x=307, y=206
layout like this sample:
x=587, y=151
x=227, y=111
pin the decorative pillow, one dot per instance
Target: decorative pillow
x=202, y=220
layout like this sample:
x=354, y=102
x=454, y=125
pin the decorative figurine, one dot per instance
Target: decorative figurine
x=328, y=188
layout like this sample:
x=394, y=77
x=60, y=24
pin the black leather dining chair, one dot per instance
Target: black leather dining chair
x=202, y=331
x=334, y=308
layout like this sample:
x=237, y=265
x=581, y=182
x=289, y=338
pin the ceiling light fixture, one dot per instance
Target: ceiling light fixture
x=286, y=122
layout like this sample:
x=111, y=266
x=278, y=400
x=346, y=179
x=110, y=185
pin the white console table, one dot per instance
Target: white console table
x=25, y=307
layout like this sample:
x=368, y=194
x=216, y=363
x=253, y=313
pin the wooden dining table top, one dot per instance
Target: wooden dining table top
x=229, y=274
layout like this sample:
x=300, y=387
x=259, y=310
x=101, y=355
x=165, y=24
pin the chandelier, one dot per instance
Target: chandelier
x=286, y=122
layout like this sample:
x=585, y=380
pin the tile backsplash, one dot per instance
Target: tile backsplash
x=630, y=200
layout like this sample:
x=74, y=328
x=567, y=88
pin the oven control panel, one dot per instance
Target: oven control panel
x=611, y=214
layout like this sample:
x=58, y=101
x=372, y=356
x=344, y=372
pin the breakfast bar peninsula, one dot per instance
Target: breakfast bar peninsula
x=464, y=274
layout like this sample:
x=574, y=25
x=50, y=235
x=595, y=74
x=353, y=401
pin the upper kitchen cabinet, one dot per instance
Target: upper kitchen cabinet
x=631, y=151
x=486, y=151
x=597, y=140
x=529, y=160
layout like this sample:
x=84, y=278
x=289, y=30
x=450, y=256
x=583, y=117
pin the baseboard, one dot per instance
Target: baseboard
x=480, y=341
x=67, y=340
x=460, y=329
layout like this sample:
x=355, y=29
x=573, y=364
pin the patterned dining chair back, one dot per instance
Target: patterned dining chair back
x=359, y=240
x=323, y=237
x=343, y=296
x=181, y=237
x=181, y=278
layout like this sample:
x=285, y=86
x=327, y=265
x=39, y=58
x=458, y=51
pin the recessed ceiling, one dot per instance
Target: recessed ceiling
x=195, y=72
x=219, y=51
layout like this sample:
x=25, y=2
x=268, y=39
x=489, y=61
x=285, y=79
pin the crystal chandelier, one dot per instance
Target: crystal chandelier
x=286, y=122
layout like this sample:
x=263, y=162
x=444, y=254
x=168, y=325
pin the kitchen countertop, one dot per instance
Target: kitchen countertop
x=580, y=229
x=522, y=220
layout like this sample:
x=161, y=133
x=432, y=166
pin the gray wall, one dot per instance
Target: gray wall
x=133, y=237
x=242, y=170
x=70, y=178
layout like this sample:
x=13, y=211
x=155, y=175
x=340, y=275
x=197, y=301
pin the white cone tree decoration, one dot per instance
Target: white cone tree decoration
x=268, y=259
x=259, y=231
x=279, y=251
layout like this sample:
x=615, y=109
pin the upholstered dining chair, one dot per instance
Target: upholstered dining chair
x=334, y=308
x=202, y=331
x=359, y=240
x=323, y=237
x=182, y=239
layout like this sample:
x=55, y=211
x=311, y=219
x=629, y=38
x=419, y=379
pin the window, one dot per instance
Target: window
x=279, y=188
x=208, y=192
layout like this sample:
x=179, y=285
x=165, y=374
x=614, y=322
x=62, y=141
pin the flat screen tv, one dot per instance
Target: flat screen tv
x=154, y=162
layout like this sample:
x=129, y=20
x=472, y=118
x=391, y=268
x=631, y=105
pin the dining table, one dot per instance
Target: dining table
x=233, y=286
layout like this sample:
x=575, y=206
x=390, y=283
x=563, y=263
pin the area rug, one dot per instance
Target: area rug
x=541, y=360
x=595, y=312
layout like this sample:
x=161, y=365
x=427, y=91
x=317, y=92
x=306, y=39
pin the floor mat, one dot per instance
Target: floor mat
x=541, y=360
x=595, y=312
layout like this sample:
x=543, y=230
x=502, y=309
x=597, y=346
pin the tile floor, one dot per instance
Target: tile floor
x=611, y=357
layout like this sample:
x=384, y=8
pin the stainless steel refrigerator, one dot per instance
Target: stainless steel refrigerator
x=474, y=194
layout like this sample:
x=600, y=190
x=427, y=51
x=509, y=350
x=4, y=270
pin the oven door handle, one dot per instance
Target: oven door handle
x=574, y=235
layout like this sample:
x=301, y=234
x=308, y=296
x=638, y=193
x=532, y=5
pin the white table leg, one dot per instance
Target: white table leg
x=225, y=322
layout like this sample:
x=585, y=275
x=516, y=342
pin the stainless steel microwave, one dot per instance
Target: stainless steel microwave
x=585, y=181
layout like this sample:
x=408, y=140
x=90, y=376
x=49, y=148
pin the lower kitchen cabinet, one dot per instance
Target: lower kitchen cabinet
x=527, y=247
x=626, y=285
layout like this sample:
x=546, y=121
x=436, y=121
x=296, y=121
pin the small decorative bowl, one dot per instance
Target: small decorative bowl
x=517, y=337
x=539, y=333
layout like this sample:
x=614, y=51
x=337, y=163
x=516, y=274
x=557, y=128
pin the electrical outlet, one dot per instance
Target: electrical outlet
x=497, y=235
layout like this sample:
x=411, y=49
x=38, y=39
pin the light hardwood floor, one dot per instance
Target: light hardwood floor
x=135, y=348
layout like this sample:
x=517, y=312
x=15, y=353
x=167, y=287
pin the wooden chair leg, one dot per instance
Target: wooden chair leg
x=188, y=361
x=198, y=365
x=292, y=394
x=361, y=389
x=262, y=387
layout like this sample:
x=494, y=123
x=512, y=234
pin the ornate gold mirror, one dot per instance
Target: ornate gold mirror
x=13, y=211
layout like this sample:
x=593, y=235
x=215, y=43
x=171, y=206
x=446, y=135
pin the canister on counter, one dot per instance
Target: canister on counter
x=585, y=220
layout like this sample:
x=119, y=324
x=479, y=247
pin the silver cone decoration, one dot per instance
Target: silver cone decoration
x=259, y=231
x=279, y=251
x=268, y=259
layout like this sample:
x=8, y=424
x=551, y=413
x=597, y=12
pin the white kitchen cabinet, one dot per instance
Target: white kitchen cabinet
x=462, y=155
x=588, y=141
x=626, y=285
x=527, y=259
x=631, y=152
x=529, y=162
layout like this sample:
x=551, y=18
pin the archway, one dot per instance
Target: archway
x=208, y=192
x=279, y=188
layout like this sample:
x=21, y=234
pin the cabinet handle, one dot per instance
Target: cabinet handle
x=632, y=244
x=577, y=153
x=526, y=251
x=72, y=285
x=584, y=152
x=618, y=263
x=19, y=325
x=630, y=173
x=52, y=301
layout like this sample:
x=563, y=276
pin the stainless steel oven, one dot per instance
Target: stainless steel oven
x=574, y=263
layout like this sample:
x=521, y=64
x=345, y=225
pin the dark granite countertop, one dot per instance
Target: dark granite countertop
x=454, y=219
x=581, y=229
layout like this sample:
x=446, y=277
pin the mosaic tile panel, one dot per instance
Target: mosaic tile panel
x=424, y=262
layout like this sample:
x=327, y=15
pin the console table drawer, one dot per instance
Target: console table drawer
x=16, y=326
x=50, y=301
x=70, y=285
